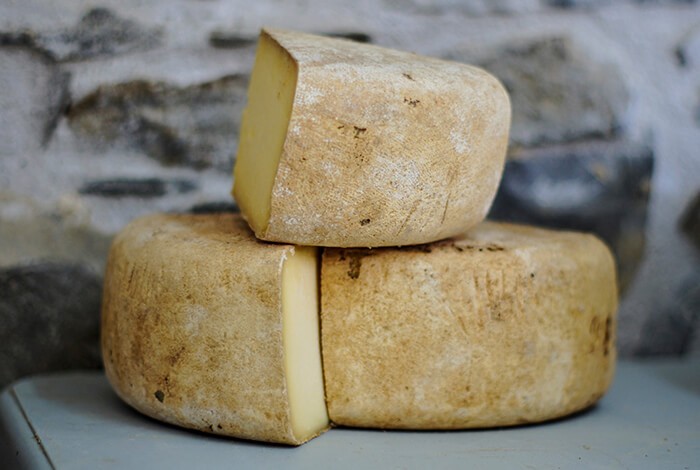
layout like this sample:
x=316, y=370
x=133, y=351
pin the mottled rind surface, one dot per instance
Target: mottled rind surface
x=412, y=146
x=192, y=325
x=505, y=325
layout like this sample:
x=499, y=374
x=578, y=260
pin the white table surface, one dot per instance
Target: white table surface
x=649, y=419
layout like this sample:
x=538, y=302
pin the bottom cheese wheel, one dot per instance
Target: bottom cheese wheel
x=207, y=328
x=502, y=326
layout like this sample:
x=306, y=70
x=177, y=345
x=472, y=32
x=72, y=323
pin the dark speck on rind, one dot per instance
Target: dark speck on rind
x=359, y=131
x=355, y=266
x=608, y=334
x=160, y=396
x=364, y=222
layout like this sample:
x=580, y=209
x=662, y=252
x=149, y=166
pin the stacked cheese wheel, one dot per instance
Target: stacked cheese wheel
x=386, y=301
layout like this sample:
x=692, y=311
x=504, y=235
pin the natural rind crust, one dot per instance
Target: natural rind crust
x=502, y=326
x=192, y=325
x=385, y=148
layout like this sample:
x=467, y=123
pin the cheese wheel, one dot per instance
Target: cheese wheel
x=352, y=145
x=505, y=325
x=207, y=328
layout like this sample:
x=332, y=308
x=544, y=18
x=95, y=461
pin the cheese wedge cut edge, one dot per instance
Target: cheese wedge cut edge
x=263, y=130
x=302, y=342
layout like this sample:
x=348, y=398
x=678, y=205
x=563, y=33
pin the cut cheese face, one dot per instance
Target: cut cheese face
x=351, y=145
x=302, y=342
x=207, y=328
x=504, y=325
x=263, y=130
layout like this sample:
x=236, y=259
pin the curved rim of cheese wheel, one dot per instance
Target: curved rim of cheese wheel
x=302, y=343
x=264, y=126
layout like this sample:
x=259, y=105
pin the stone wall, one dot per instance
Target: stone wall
x=116, y=109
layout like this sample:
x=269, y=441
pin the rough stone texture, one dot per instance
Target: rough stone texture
x=680, y=2
x=49, y=319
x=677, y=330
x=687, y=51
x=145, y=188
x=226, y=39
x=195, y=126
x=690, y=221
x=468, y=7
x=33, y=94
x=600, y=187
x=98, y=33
x=557, y=93
x=576, y=3
x=597, y=3
x=30, y=232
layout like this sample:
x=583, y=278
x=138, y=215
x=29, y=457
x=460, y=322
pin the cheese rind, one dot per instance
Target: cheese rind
x=194, y=318
x=381, y=147
x=502, y=326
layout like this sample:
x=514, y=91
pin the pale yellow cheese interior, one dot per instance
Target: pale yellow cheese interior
x=302, y=343
x=263, y=130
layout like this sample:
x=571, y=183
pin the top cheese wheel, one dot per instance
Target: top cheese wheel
x=352, y=145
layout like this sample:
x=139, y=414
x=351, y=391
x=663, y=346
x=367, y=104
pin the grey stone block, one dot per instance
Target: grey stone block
x=99, y=32
x=465, y=7
x=49, y=319
x=143, y=188
x=29, y=231
x=557, y=93
x=588, y=4
x=690, y=221
x=675, y=329
x=34, y=92
x=225, y=39
x=195, y=126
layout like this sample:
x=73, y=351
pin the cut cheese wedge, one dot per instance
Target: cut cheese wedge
x=352, y=145
x=502, y=326
x=207, y=328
